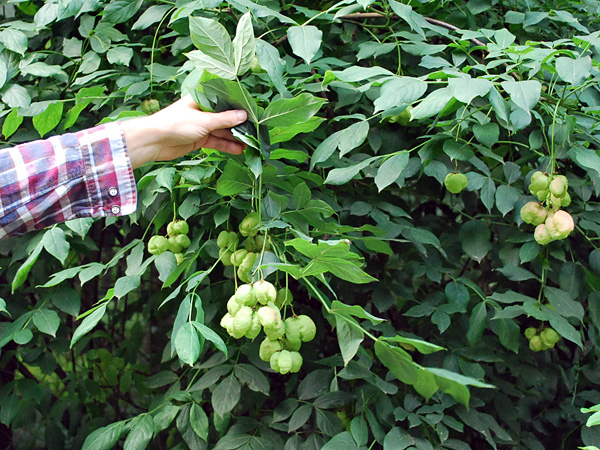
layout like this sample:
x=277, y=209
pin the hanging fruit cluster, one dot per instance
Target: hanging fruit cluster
x=544, y=340
x=176, y=240
x=256, y=306
x=244, y=258
x=550, y=221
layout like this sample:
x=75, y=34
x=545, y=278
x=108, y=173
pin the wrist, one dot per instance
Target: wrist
x=142, y=137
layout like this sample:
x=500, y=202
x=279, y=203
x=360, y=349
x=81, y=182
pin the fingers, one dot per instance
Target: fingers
x=224, y=145
x=225, y=119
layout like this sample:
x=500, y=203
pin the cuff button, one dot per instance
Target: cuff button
x=113, y=191
x=115, y=209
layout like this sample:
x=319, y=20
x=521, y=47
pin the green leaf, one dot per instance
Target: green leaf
x=340, y=308
x=525, y=94
x=46, y=320
x=289, y=112
x=475, y=239
x=398, y=439
x=349, y=337
x=466, y=89
x=399, y=91
x=12, y=122
x=120, y=55
x=25, y=268
x=56, y=244
x=342, y=441
x=345, y=174
x=67, y=300
x=506, y=198
x=432, y=104
x=487, y=134
x=563, y=304
x=421, y=346
x=126, y=284
x=235, y=179
x=391, y=169
x=300, y=417
x=150, y=16
x=477, y=323
x=49, y=119
x=141, y=434
x=397, y=361
x=234, y=94
x=251, y=376
x=88, y=324
x=210, y=37
x=244, y=45
x=14, y=40
x=187, y=343
x=405, y=12
x=269, y=60
x=226, y=395
x=199, y=421
x=210, y=335
x=574, y=71
x=3, y=307
x=305, y=41
x=119, y=11
x=104, y=438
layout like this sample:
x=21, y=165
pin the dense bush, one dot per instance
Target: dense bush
x=421, y=288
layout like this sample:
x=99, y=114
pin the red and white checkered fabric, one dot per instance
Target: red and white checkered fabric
x=83, y=174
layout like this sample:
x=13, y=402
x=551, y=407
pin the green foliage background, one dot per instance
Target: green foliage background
x=420, y=296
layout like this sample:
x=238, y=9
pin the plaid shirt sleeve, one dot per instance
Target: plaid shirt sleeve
x=84, y=174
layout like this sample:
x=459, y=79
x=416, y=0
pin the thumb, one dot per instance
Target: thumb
x=226, y=119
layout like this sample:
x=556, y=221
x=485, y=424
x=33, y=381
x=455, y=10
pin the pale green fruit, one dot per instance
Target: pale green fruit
x=274, y=361
x=249, y=225
x=565, y=200
x=533, y=213
x=541, y=235
x=292, y=329
x=284, y=361
x=233, y=306
x=244, y=275
x=225, y=256
x=158, y=245
x=238, y=256
x=455, y=182
x=244, y=295
x=549, y=337
x=248, y=261
x=551, y=227
x=181, y=240
x=267, y=348
x=536, y=344
x=307, y=327
x=179, y=257
x=262, y=243
x=265, y=292
x=284, y=297
x=250, y=244
x=242, y=322
x=178, y=227
x=558, y=187
x=563, y=222
x=268, y=316
x=275, y=332
x=289, y=345
x=296, y=361
x=255, y=327
x=530, y=332
x=227, y=239
x=174, y=244
x=226, y=320
x=542, y=195
x=539, y=182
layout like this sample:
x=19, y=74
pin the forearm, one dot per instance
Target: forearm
x=84, y=174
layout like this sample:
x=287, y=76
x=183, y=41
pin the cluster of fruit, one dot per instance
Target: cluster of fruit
x=545, y=340
x=550, y=221
x=244, y=258
x=176, y=240
x=256, y=306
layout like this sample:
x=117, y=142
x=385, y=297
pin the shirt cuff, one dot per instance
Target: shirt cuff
x=109, y=175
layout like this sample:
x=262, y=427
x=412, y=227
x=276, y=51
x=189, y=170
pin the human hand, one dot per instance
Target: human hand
x=179, y=129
